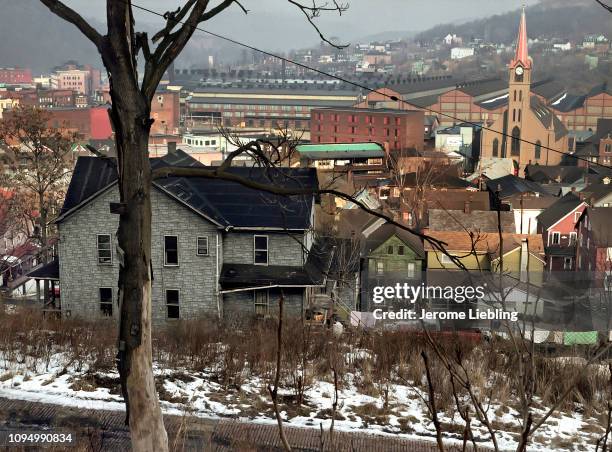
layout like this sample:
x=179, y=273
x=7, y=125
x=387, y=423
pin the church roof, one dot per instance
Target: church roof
x=522, y=55
x=547, y=117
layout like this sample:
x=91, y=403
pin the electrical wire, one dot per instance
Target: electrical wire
x=368, y=89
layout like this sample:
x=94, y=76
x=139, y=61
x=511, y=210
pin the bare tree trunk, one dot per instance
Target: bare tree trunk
x=274, y=389
x=432, y=403
x=130, y=117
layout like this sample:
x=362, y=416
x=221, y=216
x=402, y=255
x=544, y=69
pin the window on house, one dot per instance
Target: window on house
x=390, y=249
x=538, y=149
x=411, y=269
x=172, y=303
x=106, y=301
x=572, y=238
x=105, y=253
x=260, y=244
x=567, y=263
x=202, y=246
x=380, y=268
x=556, y=238
x=576, y=216
x=444, y=259
x=171, y=250
x=495, y=147
x=261, y=299
x=400, y=250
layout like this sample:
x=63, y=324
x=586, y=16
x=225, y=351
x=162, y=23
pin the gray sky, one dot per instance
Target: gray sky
x=278, y=25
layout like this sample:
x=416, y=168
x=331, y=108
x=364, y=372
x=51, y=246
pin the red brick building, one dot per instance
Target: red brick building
x=165, y=110
x=395, y=129
x=15, y=76
x=91, y=123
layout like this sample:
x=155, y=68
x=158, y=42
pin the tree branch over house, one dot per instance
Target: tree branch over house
x=120, y=47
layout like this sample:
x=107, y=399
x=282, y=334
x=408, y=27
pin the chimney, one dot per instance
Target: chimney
x=171, y=147
x=466, y=206
x=524, y=260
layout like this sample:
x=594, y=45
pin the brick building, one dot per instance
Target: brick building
x=91, y=123
x=165, y=110
x=73, y=79
x=395, y=129
x=15, y=76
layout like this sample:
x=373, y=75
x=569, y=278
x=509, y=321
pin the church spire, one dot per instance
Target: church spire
x=522, y=55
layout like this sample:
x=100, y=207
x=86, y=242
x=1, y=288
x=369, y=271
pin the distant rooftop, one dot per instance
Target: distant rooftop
x=340, y=150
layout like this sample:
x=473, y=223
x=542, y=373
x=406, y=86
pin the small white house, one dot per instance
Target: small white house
x=458, y=53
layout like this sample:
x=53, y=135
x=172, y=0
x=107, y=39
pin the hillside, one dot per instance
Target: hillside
x=32, y=37
x=562, y=19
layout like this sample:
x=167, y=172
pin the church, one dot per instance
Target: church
x=527, y=132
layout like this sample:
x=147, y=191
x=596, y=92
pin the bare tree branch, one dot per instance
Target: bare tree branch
x=312, y=12
x=60, y=9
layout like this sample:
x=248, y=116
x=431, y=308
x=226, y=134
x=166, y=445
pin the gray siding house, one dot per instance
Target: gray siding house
x=219, y=248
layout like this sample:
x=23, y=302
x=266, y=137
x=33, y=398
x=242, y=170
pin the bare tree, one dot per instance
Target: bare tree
x=37, y=167
x=120, y=48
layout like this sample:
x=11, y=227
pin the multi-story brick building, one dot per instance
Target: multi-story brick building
x=15, y=76
x=165, y=111
x=395, y=129
x=73, y=79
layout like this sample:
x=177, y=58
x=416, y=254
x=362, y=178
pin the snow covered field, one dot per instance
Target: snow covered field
x=199, y=394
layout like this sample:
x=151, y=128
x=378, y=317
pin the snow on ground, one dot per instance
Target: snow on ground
x=201, y=395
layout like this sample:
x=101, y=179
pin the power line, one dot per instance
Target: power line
x=371, y=90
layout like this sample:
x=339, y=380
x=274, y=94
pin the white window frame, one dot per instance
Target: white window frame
x=100, y=303
x=178, y=260
x=255, y=249
x=573, y=238
x=380, y=268
x=444, y=259
x=178, y=304
x=110, y=248
x=258, y=302
x=577, y=216
x=552, y=238
x=411, y=269
x=567, y=260
x=202, y=237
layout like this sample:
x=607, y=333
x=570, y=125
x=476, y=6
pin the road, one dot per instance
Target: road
x=99, y=430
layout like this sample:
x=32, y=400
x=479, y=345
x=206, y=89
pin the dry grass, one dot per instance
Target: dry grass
x=232, y=354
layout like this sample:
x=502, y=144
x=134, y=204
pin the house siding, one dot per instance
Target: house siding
x=283, y=249
x=81, y=276
x=240, y=306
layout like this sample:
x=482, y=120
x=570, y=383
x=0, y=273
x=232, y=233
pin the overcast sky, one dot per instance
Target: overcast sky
x=278, y=25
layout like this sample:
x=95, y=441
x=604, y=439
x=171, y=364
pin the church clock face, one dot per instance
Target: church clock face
x=518, y=70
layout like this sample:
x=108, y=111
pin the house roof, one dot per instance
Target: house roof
x=597, y=191
x=227, y=203
x=456, y=199
x=386, y=231
x=49, y=271
x=558, y=210
x=475, y=220
x=510, y=185
x=544, y=174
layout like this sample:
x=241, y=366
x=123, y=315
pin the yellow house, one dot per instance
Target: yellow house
x=522, y=254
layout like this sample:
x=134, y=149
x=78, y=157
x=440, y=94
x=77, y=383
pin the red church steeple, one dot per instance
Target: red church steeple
x=522, y=55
